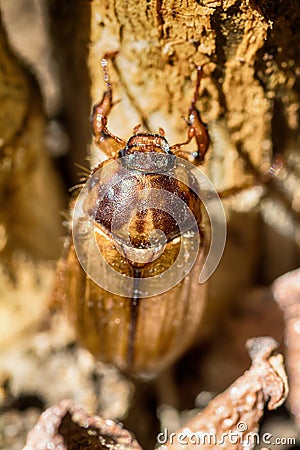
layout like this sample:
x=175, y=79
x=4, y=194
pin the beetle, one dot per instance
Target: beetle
x=140, y=334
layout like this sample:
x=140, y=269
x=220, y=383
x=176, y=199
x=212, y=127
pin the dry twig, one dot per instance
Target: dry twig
x=233, y=416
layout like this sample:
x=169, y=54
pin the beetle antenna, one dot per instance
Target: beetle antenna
x=105, y=73
x=106, y=77
x=197, y=87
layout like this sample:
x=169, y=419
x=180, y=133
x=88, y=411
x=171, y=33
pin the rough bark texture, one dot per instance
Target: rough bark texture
x=250, y=54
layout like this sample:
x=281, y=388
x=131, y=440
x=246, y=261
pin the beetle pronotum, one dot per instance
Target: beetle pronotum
x=139, y=335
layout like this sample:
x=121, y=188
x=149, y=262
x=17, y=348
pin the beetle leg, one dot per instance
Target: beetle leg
x=104, y=138
x=197, y=129
x=259, y=179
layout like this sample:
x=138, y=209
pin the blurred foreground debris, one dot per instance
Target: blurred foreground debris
x=68, y=427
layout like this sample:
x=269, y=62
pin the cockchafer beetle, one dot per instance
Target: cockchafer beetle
x=141, y=336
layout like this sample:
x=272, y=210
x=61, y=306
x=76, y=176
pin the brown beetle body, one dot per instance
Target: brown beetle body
x=139, y=335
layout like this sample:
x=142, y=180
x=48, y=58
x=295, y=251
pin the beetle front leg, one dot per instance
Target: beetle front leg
x=104, y=138
x=197, y=129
